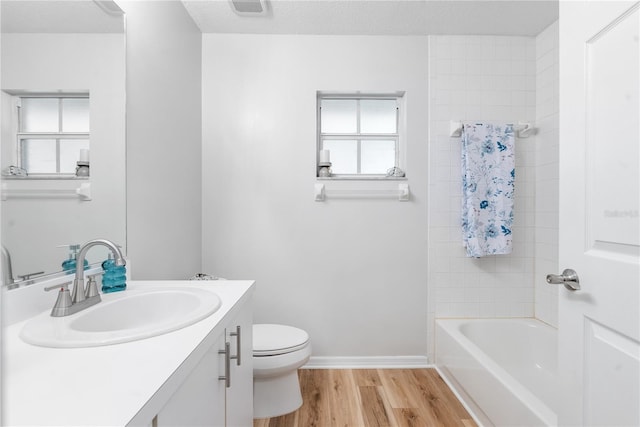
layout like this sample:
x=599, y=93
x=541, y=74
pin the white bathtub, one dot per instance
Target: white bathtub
x=505, y=370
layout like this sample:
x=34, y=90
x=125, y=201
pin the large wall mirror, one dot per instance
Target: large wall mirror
x=62, y=87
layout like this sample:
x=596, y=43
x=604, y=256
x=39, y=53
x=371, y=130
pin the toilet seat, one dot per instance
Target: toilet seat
x=272, y=339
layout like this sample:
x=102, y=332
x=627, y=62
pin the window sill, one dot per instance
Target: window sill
x=361, y=178
x=45, y=178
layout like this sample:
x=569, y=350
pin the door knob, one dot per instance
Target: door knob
x=568, y=278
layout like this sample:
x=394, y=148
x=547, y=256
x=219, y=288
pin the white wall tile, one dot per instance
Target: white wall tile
x=498, y=84
x=495, y=78
x=547, y=165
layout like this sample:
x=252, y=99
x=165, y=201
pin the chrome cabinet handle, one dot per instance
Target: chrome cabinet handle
x=227, y=365
x=568, y=278
x=238, y=345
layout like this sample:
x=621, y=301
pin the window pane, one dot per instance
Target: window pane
x=378, y=116
x=344, y=155
x=75, y=115
x=377, y=156
x=70, y=153
x=338, y=116
x=39, y=115
x=39, y=155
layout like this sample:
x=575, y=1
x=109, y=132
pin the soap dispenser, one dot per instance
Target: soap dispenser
x=69, y=265
x=114, y=277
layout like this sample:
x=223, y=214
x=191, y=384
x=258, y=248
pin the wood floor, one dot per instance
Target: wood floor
x=373, y=398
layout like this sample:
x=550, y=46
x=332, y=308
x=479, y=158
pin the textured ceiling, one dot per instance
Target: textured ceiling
x=379, y=17
x=61, y=16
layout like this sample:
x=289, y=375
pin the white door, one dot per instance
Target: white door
x=599, y=325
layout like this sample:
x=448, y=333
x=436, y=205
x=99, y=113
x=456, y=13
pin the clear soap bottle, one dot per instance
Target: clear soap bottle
x=114, y=277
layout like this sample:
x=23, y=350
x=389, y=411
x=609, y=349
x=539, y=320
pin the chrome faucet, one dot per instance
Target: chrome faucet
x=82, y=297
x=7, y=273
x=79, y=292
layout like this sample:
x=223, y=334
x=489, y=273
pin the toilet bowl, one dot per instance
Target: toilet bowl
x=278, y=352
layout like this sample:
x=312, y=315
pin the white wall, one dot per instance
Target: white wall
x=69, y=62
x=547, y=169
x=163, y=140
x=490, y=78
x=350, y=272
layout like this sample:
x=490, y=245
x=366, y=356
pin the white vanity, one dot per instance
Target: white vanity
x=201, y=374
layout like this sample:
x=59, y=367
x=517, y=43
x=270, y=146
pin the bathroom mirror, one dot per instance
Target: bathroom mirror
x=61, y=51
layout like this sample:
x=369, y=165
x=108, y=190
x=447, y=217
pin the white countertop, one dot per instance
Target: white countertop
x=115, y=385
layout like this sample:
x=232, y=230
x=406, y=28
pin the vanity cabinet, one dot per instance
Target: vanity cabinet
x=239, y=396
x=170, y=379
x=200, y=400
x=219, y=390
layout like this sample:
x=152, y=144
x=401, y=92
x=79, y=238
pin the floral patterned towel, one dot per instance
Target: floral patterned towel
x=488, y=174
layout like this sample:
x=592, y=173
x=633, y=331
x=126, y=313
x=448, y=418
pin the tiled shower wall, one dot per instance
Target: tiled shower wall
x=546, y=204
x=501, y=79
x=480, y=78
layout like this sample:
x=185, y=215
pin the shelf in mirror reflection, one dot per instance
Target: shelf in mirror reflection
x=81, y=192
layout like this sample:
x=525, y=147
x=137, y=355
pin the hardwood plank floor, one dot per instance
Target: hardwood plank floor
x=373, y=398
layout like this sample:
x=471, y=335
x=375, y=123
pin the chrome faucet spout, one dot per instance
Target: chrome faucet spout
x=78, y=293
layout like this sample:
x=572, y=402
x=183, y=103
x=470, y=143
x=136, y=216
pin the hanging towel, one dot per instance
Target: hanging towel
x=488, y=174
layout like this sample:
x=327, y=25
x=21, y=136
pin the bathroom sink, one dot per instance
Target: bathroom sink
x=122, y=317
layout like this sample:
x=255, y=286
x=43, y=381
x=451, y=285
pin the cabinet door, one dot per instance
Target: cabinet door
x=200, y=399
x=239, y=396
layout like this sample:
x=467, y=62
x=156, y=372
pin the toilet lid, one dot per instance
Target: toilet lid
x=269, y=339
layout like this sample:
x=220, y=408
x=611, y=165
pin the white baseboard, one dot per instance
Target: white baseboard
x=373, y=362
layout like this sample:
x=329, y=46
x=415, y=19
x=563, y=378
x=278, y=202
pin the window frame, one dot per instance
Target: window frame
x=22, y=136
x=397, y=137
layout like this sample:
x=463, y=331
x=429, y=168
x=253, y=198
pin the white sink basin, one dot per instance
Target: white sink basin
x=123, y=316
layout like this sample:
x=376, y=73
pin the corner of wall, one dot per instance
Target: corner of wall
x=164, y=140
x=547, y=177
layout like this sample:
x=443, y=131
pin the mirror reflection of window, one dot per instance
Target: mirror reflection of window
x=51, y=133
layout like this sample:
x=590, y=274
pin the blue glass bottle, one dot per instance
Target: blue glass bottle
x=114, y=277
x=69, y=265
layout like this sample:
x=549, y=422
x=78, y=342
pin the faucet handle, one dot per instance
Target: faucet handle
x=91, y=288
x=61, y=307
x=61, y=287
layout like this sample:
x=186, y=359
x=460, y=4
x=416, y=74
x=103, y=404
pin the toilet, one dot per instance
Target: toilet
x=278, y=352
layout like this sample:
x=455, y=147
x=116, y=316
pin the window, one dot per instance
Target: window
x=51, y=132
x=361, y=132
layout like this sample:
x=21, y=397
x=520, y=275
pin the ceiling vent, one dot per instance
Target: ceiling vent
x=249, y=7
